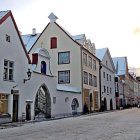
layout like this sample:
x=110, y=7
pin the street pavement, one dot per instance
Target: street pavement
x=117, y=125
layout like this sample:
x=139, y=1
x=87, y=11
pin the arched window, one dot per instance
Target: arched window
x=53, y=43
x=43, y=67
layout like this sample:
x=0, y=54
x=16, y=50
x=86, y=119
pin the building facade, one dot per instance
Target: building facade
x=14, y=65
x=108, y=97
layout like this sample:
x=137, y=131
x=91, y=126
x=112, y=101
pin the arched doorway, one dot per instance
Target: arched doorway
x=91, y=103
x=111, y=104
x=28, y=111
x=43, y=67
x=74, y=106
x=105, y=104
x=42, y=103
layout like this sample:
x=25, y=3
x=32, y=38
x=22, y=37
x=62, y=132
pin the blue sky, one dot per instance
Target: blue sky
x=108, y=23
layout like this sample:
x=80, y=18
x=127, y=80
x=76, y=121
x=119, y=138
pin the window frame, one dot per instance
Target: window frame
x=94, y=64
x=85, y=77
x=94, y=81
x=59, y=54
x=8, y=71
x=8, y=38
x=84, y=58
x=90, y=79
x=104, y=74
x=53, y=42
x=90, y=61
x=65, y=81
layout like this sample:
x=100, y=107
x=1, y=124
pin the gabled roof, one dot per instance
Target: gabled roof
x=3, y=17
x=29, y=40
x=100, y=53
x=120, y=65
x=67, y=33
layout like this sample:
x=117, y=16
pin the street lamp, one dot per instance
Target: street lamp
x=29, y=75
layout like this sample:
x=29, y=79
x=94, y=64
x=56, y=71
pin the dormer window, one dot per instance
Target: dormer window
x=53, y=43
x=7, y=38
x=43, y=67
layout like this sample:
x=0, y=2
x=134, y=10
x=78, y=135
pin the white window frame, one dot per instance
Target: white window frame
x=64, y=77
x=64, y=57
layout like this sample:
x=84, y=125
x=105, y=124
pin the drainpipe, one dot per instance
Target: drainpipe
x=82, y=80
x=100, y=67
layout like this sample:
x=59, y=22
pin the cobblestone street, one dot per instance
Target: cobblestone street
x=118, y=125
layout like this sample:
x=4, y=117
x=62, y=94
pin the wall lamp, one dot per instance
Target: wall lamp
x=29, y=75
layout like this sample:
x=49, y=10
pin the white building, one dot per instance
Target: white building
x=14, y=65
x=26, y=95
x=107, y=79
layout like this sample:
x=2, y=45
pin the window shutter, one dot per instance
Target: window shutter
x=53, y=42
x=34, y=58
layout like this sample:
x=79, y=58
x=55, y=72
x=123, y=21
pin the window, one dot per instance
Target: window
x=85, y=59
x=104, y=74
x=53, y=42
x=94, y=64
x=7, y=38
x=94, y=81
x=90, y=62
x=85, y=78
x=63, y=57
x=110, y=90
x=90, y=80
x=104, y=89
x=63, y=77
x=8, y=70
x=110, y=77
x=43, y=67
x=3, y=103
x=107, y=76
x=107, y=90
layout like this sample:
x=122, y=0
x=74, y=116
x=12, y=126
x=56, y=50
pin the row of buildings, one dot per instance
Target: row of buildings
x=53, y=74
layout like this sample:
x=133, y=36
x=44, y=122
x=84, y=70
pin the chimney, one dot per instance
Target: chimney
x=33, y=31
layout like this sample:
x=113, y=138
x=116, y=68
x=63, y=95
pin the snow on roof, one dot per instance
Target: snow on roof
x=120, y=65
x=101, y=52
x=29, y=40
x=78, y=37
x=3, y=13
x=68, y=88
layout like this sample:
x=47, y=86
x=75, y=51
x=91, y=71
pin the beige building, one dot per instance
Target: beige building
x=90, y=68
x=67, y=62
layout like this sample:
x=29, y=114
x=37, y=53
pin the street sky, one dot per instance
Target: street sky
x=108, y=23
